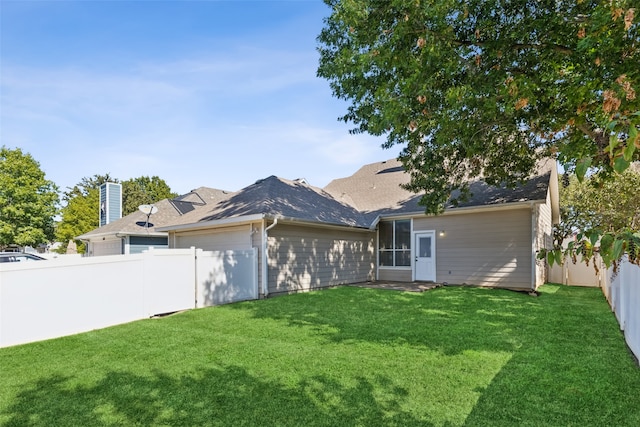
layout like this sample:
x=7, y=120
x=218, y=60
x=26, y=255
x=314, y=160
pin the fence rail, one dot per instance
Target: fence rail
x=49, y=299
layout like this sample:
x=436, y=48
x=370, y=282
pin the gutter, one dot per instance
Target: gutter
x=265, y=258
x=463, y=210
x=212, y=223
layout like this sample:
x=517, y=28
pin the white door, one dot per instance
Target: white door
x=425, y=256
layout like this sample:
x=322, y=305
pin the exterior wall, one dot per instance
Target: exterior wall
x=110, y=202
x=218, y=239
x=105, y=247
x=138, y=244
x=303, y=258
x=544, y=238
x=397, y=274
x=483, y=248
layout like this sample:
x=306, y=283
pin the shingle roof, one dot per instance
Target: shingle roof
x=277, y=197
x=355, y=201
x=375, y=189
x=169, y=210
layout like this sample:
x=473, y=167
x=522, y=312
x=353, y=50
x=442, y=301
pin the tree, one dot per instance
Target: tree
x=484, y=88
x=28, y=201
x=143, y=190
x=611, y=205
x=80, y=213
x=604, y=214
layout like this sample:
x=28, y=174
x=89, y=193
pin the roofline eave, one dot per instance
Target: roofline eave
x=120, y=234
x=259, y=217
x=462, y=210
x=212, y=223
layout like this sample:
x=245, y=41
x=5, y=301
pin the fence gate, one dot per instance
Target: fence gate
x=223, y=277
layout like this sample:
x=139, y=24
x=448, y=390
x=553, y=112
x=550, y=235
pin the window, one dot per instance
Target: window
x=395, y=243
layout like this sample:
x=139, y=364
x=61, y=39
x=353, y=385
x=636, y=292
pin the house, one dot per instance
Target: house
x=137, y=231
x=366, y=227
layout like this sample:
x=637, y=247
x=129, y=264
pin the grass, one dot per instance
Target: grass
x=346, y=356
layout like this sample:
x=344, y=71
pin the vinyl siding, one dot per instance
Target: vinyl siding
x=303, y=258
x=544, y=238
x=138, y=244
x=483, y=248
x=219, y=239
x=106, y=247
x=395, y=274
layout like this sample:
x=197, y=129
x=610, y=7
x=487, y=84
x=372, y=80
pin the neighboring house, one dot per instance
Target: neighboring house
x=136, y=232
x=366, y=227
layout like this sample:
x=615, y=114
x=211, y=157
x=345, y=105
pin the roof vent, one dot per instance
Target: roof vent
x=301, y=181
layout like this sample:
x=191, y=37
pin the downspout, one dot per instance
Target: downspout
x=534, y=275
x=265, y=259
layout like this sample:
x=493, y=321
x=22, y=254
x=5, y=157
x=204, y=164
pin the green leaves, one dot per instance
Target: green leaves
x=482, y=88
x=582, y=166
x=28, y=201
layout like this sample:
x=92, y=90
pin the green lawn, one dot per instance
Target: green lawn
x=346, y=356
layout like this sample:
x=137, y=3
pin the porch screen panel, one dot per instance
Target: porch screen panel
x=394, y=247
x=403, y=243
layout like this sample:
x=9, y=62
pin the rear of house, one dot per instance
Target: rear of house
x=495, y=247
x=491, y=239
x=366, y=227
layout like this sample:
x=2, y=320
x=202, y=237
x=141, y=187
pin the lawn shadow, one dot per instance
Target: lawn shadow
x=225, y=396
x=566, y=350
x=450, y=320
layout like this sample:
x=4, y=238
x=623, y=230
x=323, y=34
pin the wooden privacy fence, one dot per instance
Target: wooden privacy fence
x=48, y=299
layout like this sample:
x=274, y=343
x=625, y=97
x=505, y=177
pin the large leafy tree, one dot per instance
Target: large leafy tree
x=486, y=87
x=610, y=206
x=28, y=201
x=604, y=214
x=144, y=190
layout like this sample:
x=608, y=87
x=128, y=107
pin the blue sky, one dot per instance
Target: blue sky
x=214, y=93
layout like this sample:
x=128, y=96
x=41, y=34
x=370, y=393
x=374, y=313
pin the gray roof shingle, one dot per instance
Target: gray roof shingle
x=375, y=189
x=277, y=197
x=356, y=201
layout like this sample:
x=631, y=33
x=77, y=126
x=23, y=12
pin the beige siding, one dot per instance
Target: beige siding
x=483, y=248
x=395, y=274
x=304, y=258
x=106, y=247
x=219, y=239
x=544, y=238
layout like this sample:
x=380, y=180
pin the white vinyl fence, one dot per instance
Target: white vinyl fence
x=621, y=290
x=48, y=299
x=578, y=274
x=623, y=294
